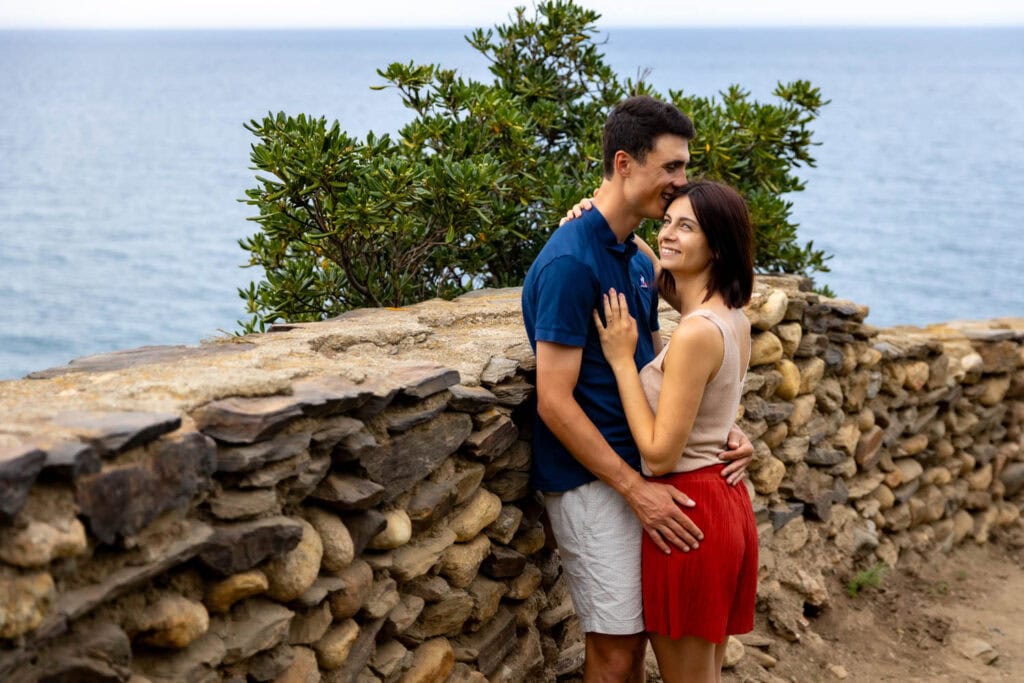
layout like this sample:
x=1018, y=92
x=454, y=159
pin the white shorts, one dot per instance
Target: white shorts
x=599, y=543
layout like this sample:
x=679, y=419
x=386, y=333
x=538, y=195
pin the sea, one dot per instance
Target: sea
x=123, y=158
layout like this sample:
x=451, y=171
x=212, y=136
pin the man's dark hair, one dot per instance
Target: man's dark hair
x=634, y=125
x=725, y=222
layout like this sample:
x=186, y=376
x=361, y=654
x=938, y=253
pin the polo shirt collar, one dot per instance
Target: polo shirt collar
x=610, y=241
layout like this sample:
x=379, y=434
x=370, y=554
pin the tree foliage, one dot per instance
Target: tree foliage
x=467, y=193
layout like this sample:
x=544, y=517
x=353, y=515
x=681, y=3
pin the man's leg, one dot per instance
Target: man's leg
x=614, y=659
x=599, y=544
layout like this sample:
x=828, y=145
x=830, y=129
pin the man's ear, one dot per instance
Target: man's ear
x=623, y=163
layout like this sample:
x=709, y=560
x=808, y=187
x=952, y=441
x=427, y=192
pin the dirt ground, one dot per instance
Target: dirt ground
x=929, y=620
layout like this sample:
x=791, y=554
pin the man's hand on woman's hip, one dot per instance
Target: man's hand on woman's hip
x=739, y=455
x=659, y=509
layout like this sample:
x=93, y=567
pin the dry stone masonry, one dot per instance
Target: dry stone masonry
x=349, y=500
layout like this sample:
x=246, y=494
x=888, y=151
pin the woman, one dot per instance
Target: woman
x=680, y=408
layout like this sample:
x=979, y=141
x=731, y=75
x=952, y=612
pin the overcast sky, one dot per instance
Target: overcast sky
x=469, y=13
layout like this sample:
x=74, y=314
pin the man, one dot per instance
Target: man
x=584, y=458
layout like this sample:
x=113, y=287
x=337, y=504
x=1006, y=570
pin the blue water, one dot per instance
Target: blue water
x=122, y=157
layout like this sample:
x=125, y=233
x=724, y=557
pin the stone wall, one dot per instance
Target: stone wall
x=348, y=501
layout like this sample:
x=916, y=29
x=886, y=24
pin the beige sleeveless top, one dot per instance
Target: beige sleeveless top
x=717, y=412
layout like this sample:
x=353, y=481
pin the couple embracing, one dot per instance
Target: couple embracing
x=636, y=450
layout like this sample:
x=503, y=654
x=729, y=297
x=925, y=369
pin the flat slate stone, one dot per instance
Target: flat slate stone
x=824, y=457
x=904, y=492
x=268, y=665
x=348, y=492
x=196, y=663
x=488, y=646
x=399, y=418
x=274, y=473
x=310, y=625
x=492, y=440
x=111, y=433
x=360, y=652
x=247, y=420
x=70, y=459
x=498, y=370
x=248, y=458
x=309, y=477
x=145, y=355
x=238, y=547
x=253, y=626
x=416, y=453
x=430, y=501
x=987, y=334
x=123, y=499
x=428, y=587
x=97, y=653
x=420, y=381
x=380, y=398
x=241, y=504
x=321, y=588
x=59, y=669
x=322, y=396
x=19, y=467
x=503, y=563
x=782, y=513
x=509, y=486
x=333, y=431
x=363, y=527
x=523, y=354
x=471, y=399
x=513, y=392
x=355, y=446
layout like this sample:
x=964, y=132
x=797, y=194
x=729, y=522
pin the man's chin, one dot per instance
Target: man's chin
x=655, y=213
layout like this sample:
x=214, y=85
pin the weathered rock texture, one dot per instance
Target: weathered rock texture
x=348, y=500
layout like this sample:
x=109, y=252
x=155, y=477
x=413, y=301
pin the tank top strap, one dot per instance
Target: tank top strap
x=730, y=354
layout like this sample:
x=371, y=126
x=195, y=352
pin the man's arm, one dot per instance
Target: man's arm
x=656, y=339
x=656, y=505
x=739, y=455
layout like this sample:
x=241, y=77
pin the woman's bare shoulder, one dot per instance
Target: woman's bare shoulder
x=697, y=332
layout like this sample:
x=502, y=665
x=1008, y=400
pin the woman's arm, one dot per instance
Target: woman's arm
x=646, y=250
x=671, y=297
x=694, y=355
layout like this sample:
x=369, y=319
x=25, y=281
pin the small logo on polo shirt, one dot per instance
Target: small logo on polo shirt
x=643, y=282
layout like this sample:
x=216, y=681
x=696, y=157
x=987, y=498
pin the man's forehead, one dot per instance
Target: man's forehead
x=671, y=147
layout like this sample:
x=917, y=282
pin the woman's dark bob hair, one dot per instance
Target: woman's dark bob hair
x=725, y=221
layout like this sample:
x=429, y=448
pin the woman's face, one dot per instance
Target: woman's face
x=682, y=245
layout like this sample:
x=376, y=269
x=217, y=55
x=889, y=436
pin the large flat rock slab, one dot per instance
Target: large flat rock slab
x=133, y=358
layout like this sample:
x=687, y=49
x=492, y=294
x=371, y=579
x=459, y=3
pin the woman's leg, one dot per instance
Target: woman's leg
x=719, y=658
x=686, y=660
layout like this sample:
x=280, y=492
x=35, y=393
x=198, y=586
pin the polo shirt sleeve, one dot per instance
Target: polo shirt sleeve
x=566, y=294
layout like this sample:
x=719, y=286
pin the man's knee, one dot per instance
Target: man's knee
x=615, y=659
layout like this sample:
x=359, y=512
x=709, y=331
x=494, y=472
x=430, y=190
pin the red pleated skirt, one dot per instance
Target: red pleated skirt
x=708, y=592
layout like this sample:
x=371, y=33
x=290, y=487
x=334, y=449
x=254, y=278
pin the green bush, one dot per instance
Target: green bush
x=469, y=190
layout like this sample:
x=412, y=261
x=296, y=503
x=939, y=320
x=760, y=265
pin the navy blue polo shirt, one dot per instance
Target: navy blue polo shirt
x=583, y=260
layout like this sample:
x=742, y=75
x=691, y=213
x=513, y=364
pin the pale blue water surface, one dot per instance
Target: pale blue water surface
x=122, y=155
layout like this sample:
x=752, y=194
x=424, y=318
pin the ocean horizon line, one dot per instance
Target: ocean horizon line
x=603, y=29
